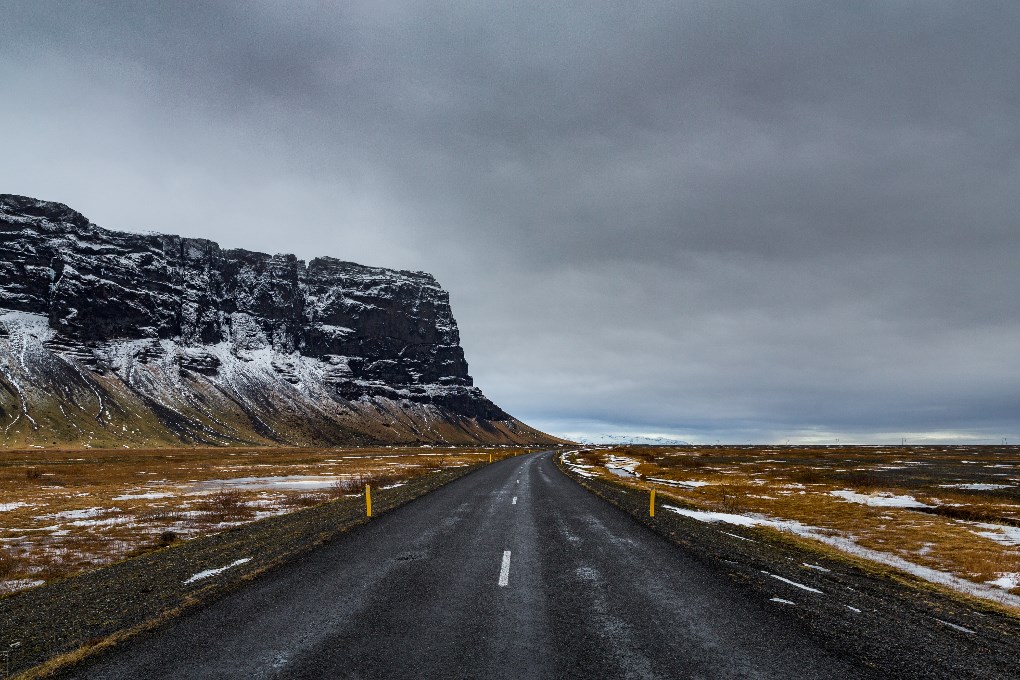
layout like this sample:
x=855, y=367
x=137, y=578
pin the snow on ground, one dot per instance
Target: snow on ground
x=7, y=507
x=848, y=545
x=743, y=520
x=1007, y=580
x=79, y=514
x=977, y=487
x=143, y=496
x=1000, y=533
x=15, y=585
x=219, y=570
x=879, y=500
x=688, y=483
x=109, y=521
x=288, y=482
x=583, y=470
x=622, y=466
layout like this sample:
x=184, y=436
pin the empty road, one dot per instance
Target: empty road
x=513, y=571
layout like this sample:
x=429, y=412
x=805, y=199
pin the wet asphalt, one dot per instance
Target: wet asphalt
x=428, y=590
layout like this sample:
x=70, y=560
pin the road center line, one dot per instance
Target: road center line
x=514, y=501
x=504, y=570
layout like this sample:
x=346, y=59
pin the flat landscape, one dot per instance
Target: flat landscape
x=512, y=570
x=64, y=512
x=947, y=514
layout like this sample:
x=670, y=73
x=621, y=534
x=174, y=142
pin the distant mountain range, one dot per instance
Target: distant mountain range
x=118, y=339
x=638, y=439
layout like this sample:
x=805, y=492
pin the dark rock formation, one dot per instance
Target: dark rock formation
x=151, y=314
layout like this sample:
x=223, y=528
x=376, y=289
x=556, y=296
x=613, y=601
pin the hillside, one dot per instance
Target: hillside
x=120, y=339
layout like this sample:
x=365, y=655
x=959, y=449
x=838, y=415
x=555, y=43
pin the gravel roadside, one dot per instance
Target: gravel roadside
x=895, y=623
x=63, y=622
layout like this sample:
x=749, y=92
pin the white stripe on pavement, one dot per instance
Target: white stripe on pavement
x=504, y=570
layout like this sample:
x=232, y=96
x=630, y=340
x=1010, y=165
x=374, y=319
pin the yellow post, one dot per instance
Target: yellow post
x=368, y=500
x=651, y=504
x=490, y=457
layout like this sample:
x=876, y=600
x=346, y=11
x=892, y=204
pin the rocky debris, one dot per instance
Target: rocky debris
x=183, y=328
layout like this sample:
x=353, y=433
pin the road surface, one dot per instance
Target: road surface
x=513, y=571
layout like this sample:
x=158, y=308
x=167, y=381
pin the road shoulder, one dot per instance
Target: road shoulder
x=63, y=623
x=898, y=625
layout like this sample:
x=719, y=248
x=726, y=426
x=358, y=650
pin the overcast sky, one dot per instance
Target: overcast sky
x=721, y=221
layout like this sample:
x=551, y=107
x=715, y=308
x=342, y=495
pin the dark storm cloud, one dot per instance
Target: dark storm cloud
x=727, y=220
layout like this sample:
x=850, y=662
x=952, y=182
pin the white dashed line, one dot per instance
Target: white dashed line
x=514, y=501
x=793, y=583
x=504, y=570
x=955, y=627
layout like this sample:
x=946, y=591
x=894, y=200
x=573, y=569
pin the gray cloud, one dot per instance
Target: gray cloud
x=712, y=219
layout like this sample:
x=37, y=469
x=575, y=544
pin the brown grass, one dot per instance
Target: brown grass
x=796, y=483
x=80, y=509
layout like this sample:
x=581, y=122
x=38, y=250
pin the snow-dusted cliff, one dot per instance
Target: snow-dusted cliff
x=110, y=338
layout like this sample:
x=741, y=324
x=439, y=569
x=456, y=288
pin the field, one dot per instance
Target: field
x=63, y=512
x=950, y=515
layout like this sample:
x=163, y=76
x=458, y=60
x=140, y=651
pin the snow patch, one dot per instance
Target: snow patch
x=688, y=483
x=1006, y=580
x=879, y=500
x=142, y=496
x=977, y=487
x=1000, y=533
x=848, y=545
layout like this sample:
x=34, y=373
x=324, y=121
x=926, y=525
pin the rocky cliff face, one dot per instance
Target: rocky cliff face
x=110, y=338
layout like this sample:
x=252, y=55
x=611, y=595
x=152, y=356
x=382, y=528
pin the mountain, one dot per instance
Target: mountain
x=622, y=439
x=118, y=339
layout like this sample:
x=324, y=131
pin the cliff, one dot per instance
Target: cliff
x=110, y=338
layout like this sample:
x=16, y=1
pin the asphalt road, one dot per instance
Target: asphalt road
x=513, y=571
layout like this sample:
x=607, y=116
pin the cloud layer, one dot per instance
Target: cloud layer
x=709, y=219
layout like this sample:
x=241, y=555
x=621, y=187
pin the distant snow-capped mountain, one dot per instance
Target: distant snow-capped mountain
x=638, y=439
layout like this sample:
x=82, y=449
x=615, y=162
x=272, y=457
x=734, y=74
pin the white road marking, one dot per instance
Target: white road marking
x=504, y=570
x=514, y=501
x=793, y=583
x=742, y=538
x=954, y=626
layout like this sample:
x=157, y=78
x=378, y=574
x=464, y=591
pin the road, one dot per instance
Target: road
x=513, y=571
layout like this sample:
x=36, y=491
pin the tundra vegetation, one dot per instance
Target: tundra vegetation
x=66, y=511
x=933, y=511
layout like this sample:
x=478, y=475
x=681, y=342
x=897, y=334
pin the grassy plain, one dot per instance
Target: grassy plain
x=63, y=512
x=955, y=510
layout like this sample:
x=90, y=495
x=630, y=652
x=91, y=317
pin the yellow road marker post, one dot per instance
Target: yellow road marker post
x=651, y=504
x=368, y=500
x=490, y=457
